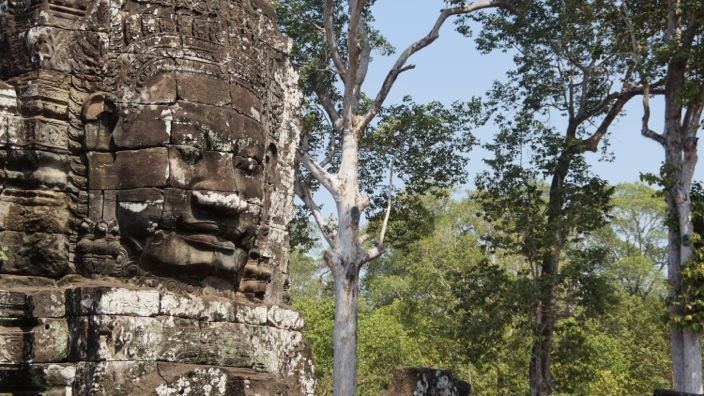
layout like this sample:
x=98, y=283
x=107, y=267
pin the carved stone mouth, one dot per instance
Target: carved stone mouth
x=209, y=241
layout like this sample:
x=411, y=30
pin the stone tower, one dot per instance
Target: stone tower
x=146, y=170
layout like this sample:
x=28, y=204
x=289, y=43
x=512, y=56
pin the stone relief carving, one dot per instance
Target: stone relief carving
x=145, y=145
x=158, y=125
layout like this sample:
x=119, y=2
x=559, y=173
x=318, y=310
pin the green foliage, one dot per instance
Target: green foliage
x=450, y=299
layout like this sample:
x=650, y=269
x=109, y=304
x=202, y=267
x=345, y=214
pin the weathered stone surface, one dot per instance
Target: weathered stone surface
x=128, y=169
x=200, y=308
x=254, y=315
x=426, y=382
x=35, y=211
x=284, y=318
x=146, y=171
x=37, y=253
x=47, y=303
x=114, y=301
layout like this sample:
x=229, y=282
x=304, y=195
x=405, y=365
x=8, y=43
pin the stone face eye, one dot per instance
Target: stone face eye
x=249, y=166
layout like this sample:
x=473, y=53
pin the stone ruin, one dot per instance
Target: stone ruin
x=423, y=381
x=146, y=160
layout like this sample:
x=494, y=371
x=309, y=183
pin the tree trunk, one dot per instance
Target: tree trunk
x=345, y=333
x=540, y=374
x=346, y=263
x=686, y=344
x=680, y=160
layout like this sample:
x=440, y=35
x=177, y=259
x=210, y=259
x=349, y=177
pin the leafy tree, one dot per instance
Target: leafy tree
x=636, y=239
x=666, y=38
x=569, y=66
x=349, y=138
x=451, y=299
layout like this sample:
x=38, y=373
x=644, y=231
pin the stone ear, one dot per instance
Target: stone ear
x=99, y=115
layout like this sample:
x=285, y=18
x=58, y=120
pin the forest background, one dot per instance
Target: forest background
x=451, y=293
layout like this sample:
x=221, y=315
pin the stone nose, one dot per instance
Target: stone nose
x=228, y=202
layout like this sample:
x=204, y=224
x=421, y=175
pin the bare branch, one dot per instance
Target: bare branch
x=592, y=143
x=364, y=57
x=604, y=103
x=330, y=152
x=647, y=88
x=378, y=250
x=332, y=41
x=389, y=192
x=693, y=115
x=351, y=99
x=399, y=65
x=319, y=173
x=303, y=191
x=328, y=104
x=645, y=130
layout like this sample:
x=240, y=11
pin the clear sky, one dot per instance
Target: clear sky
x=452, y=69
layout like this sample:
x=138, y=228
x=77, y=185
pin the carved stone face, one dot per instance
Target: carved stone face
x=184, y=182
x=158, y=125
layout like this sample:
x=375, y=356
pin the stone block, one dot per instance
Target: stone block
x=119, y=378
x=138, y=210
x=253, y=315
x=284, y=318
x=13, y=346
x=160, y=87
x=201, y=170
x=196, y=307
x=48, y=303
x=13, y=306
x=113, y=301
x=38, y=133
x=149, y=127
x=128, y=169
x=245, y=101
x=35, y=211
x=38, y=254
x=197, y=86
x=37, y=168
x=50, y=341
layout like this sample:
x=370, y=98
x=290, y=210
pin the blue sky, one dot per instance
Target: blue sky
x=451, y=69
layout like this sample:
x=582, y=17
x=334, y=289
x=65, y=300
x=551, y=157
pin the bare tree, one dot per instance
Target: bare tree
x=350, y=114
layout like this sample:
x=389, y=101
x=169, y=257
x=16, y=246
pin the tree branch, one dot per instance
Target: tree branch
x=378, y=250
x=332, y=41
x=319, y=173
x=328, y=104
x=351, y=99
x=692, y=116
x=400, y=64
x=592, y=143
x=364, y=58
x=303, y=191
x=645, y=129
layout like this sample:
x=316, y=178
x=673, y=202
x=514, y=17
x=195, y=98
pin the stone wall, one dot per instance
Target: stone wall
x=146, y=158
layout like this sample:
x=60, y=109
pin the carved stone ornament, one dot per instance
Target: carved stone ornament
x=146, y=171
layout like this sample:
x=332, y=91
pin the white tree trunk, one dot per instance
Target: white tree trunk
x=685, y=343
x=691, y=353
x=345, y=335
x=346, y=262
